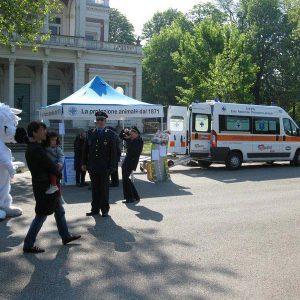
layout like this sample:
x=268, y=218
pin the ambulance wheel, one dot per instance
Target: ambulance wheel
x=233, y=161
x=204, y=164
x=296, y=160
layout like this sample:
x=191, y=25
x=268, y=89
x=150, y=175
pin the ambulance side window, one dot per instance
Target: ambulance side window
x=234, y=123
x=263, y=125
x=176, y=123
x=289, y=127
x=201, y=123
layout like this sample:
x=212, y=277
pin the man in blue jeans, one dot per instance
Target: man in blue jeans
x=41, y=166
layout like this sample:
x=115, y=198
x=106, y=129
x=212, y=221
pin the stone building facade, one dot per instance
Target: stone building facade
x=77, y=51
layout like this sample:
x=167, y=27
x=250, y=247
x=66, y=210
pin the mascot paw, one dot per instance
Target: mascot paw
x=2, y=215
x=13, y=211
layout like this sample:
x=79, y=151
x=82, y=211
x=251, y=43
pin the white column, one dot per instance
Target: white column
x=80, y=75
x=106, y=30
x=45, y=83
x=130, y=89
x=11, y=82
x=37, y=99
x=75, y=77
x=82, y=18
x=77, y=17
x=46, y=24
x=138, y=85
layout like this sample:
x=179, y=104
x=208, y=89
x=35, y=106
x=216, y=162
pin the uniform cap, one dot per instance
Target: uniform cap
x=101, y=114
x=134, y=128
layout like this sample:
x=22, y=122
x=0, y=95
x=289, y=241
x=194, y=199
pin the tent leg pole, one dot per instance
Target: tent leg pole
x=123, y=142
x=162, y=123
x=63, y=148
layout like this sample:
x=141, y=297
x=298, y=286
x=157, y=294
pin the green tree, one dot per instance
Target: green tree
x=208, y=10
x=196, y=52
x=160, y=78
x=266, y=24
x=120, y=29
x=233, y=74
x=159, y=21
x=22, y=21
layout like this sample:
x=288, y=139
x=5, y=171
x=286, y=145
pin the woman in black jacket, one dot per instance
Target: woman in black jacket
x=134, y=145
x=41, y=167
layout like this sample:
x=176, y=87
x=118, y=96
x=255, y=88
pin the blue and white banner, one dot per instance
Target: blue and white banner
x=69, y=172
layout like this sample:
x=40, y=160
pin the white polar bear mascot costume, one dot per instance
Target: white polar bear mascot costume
x=8, y=123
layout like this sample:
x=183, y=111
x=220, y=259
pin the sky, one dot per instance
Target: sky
x=138, y=12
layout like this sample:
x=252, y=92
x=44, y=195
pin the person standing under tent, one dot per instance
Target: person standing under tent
x=99, y=158
x=78, y=150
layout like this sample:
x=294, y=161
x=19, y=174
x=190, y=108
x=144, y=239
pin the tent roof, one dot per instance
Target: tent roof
x=97, y=91
x=98, y=95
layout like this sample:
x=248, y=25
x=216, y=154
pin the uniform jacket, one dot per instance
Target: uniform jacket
x=78, y=150
x=41, y=167
x=100, y=151
x=134, y=150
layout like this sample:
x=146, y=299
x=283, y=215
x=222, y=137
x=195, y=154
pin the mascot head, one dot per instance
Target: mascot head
x=8, y=123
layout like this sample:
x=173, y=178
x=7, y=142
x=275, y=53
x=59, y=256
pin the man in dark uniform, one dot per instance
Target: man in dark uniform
x=134, y=145
x=99, y=158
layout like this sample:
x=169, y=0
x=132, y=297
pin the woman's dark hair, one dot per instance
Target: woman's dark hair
x=20, y=135
x=34, y=127
x=50, y=135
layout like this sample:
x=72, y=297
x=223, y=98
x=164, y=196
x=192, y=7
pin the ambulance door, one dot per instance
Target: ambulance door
x=200, y=132
x=177, y=125
x=266, y=132
x=290, y=139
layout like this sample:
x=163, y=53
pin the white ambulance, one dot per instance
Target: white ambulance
x=216, y=132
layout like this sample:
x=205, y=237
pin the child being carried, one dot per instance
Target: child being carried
x=55, y=153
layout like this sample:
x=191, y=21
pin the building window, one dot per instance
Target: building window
x=53, y=94
x=91, y=36
x=55, y=26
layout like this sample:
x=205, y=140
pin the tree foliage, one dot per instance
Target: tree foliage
x=159, y=21
x=120, y=29
x=239, y=50
x=159, y=76
x=232, y=75
x=202, y=11
x=196, y=52
x=22, y=21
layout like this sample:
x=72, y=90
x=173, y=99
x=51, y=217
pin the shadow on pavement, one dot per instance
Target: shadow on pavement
x=21, y=190
x=250, y=172
x=145, y=213
x=49, y=277
x=8, y=241
x=115, y=264
x=106, y=230
x=146, y=189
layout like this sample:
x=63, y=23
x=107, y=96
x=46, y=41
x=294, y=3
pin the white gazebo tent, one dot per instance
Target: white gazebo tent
x=97, y=95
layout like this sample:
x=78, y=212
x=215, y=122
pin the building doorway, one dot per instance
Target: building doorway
x=22, y=101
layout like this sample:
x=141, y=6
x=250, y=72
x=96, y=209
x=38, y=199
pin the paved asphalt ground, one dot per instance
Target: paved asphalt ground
x=207, y=234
